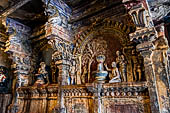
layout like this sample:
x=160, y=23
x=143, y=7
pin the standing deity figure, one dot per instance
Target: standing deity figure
x=122, y=65
x=54, y=68
x=72, y=73
x=84, y=75
x=114, y=75
x=42, y=76
x=137, y=68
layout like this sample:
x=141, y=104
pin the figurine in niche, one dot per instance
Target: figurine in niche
x=140, y=68
x=54, y=70
x=84, y=75
x=72, y=73
x=42, y=76
x=137, y=70
x=122, y=65
x=114, y=75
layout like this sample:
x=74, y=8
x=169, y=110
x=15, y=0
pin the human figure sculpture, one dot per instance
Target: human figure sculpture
x=83, y=76
x=114, y=75
x=72, y=73
x=135, y=64
x=122, y=65
x=140, y=68
x=137, y=72
x=42, y=76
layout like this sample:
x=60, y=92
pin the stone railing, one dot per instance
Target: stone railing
x=46, y=96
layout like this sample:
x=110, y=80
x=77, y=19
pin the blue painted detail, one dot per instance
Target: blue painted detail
x=101, y=74
x=69, y=80
x=18, y=26
x=63, y=8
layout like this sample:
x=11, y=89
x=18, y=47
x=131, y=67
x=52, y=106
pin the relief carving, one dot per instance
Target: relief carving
x=122, y=65
x=42, y=76
x=114, y=74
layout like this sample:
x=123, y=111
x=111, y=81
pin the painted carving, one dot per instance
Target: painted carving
x=137, y=66
x=122, y=65
x=42, y=76
x=114, y=73
x=141, y=16
x=72, y=72
x=54, y=70
x=100, y=74
x=93, y=49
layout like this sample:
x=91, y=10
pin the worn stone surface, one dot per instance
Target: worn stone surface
x=84, y=46
x=5, y=100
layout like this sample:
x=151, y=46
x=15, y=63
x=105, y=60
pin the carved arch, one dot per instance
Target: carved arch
x=81, y=39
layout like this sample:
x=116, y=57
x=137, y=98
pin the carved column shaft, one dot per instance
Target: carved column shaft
x=159, y=64
x=145, y=36
x=19, y=49
x=150, y=77
x=57, y=30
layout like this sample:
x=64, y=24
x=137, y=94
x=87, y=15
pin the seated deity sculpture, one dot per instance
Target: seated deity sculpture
x=114, y=73
x=42, y=76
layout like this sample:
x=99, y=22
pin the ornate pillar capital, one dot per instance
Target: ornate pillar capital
x=58, y=16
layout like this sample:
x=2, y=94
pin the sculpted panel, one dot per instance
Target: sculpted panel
x=100, y=61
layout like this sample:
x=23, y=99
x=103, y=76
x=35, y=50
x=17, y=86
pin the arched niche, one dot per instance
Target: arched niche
x=103, y=38
x=44, y=53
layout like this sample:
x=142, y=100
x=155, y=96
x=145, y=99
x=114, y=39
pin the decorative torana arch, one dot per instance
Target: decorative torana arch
x=99, y=27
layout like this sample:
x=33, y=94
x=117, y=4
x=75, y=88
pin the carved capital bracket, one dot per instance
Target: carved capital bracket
x=58, y=16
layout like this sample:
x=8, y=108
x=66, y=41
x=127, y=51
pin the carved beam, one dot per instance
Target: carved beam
x=13, y=8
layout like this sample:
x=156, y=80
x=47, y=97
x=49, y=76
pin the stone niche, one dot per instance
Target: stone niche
x=107, y=39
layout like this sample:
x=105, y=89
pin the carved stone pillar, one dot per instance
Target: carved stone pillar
x=144, y=37
x=96, y=89
x=154, y=51
x=19, y=49
x=57, y=30
x=159, y=64
x=150, y=77
x=62, y=57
